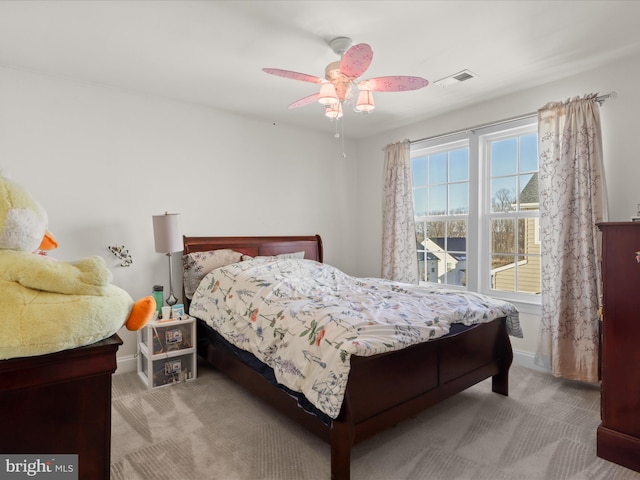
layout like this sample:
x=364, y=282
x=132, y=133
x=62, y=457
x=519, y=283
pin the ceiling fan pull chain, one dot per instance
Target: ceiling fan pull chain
x=337, y=135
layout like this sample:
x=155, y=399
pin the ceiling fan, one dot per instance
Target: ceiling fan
x=341, y=76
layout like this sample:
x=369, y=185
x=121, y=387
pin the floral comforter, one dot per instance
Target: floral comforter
x=305, y=319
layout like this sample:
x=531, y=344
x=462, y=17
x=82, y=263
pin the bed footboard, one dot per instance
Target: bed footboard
x=421, y=375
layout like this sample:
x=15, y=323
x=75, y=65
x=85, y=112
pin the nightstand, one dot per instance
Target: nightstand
x=167, y=352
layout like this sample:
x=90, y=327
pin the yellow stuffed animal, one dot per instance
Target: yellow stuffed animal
x=48, y=305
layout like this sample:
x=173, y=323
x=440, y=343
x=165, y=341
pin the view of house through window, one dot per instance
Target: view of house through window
x=477, y=210
x=441, y=202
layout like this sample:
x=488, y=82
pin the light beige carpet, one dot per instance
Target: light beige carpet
x=210, y=428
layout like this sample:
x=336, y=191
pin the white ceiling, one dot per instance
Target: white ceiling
x=212, y=52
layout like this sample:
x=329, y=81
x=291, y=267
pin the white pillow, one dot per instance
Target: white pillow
x=282, y=255
x=196, y=265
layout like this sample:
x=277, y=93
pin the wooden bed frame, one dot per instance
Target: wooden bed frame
x=382, y=389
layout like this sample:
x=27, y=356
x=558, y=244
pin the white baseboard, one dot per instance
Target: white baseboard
x=126, y=364
x=526, y=359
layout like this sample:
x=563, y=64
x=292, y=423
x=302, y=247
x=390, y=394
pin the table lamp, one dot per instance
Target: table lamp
x=168, y=239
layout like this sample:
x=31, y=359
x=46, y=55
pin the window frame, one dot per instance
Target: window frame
x=479, y=214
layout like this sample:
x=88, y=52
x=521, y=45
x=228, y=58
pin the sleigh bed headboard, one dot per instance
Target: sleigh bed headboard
x=311, y=245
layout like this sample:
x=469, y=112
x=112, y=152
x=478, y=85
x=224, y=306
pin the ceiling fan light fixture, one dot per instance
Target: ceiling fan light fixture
x=365, y=101
x=334, y=111
x=341, y=81
x=327, y=95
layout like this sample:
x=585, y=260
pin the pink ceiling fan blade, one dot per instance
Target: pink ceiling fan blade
x=393, y=84
x=356, y=60
x=304, y=101
x=293, y=75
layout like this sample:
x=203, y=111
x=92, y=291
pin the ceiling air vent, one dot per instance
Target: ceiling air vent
x=462, y=76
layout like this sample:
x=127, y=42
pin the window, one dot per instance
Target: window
x=441, y=202
x=477, y=210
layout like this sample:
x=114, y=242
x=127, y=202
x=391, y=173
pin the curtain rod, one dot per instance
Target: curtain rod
x=600, y=99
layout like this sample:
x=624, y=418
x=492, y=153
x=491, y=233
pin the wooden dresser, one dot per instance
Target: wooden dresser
x=60, y=403
x=618, y=436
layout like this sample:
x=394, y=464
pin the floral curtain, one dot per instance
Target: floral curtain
x=572, y=201
x=399, y=253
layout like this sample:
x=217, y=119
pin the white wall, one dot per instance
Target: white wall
x=622, y=165
x=102, y=161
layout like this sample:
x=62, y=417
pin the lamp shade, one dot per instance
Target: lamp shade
x=334, y=111
x=365, y=101
x=167, y=233
x=327, y=95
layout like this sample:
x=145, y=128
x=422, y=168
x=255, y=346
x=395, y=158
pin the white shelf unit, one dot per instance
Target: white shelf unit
x=167, y=352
